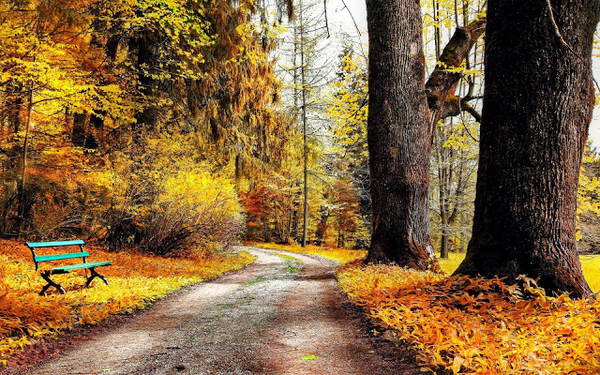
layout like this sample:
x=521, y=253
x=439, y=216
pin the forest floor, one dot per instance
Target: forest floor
x=280, y=315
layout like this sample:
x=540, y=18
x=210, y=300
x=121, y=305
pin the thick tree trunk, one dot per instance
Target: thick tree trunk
x=538, y=103
x=399, y=135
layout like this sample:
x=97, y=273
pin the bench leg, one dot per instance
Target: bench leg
x=46, y=276
x=93, y=275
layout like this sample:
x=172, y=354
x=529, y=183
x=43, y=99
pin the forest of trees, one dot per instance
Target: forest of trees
x=440, y=157
x=177, y=125
x=163, y=125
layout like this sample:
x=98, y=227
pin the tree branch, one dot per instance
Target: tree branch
x=442, y=82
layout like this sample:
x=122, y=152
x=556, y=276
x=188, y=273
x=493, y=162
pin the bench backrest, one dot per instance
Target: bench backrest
x=48, y=258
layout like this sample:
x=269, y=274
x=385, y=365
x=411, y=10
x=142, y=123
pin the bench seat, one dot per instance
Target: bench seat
x=80, y=266
x=84, y=265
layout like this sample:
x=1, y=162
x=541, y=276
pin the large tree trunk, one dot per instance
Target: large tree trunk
x=399, y=135
x=538, y=103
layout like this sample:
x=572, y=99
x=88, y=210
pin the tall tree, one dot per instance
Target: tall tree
x=538, y=103
x=454, y=148
x=303, y=80
x=302, y=31
x=400, y=126
x=399, y=135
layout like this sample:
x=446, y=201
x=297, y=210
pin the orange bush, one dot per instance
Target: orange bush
x=478, y=326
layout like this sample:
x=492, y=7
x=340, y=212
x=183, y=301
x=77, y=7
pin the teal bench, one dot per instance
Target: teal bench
x=64, y=269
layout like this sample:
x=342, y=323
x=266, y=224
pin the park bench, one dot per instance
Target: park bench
x=84, y=265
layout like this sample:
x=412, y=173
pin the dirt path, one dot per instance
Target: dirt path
x=261, y=320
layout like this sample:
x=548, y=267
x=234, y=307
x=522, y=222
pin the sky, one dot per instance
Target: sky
x=340, y=20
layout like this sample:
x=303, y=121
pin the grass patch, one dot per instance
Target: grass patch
x=287, y=257
x=292, y=268
x=591, y=270
x=452, y=263
x=136, y=280
x=255, y=281
x=292, y=264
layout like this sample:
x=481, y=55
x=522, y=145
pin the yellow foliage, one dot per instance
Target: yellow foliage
x=136, y=280
x=449, y=265
x=196, y=188
x=478, y=326
x=347, y=103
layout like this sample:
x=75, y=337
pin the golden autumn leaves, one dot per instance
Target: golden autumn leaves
x=478, y=326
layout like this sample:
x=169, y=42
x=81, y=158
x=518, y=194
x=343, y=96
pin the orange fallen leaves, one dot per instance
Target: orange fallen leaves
x=136, y=280
x=479, y=326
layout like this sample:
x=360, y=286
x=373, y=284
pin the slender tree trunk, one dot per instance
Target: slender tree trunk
x=14, y=104
x=295, y=223
x=538, y=103
x=23, y=181
x=266, y=232
x=399, y=135
x=289, y=216
x=442, y=193
x=304, y=132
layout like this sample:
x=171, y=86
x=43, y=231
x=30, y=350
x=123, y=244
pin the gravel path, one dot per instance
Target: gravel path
x=261, y=320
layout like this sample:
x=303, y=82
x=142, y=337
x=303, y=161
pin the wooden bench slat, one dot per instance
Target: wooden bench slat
x=55, y=243
x=81, y=266
x=48, y=258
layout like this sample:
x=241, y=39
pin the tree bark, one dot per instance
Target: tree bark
x=538, y=103
x=399, y=135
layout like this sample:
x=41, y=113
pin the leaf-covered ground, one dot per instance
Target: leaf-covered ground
x=478, y=326
x=136, y=280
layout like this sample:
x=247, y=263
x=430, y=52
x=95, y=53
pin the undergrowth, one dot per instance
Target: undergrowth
x=478, y=326
x=136, y=280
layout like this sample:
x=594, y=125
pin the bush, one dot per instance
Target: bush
x=183, y=213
